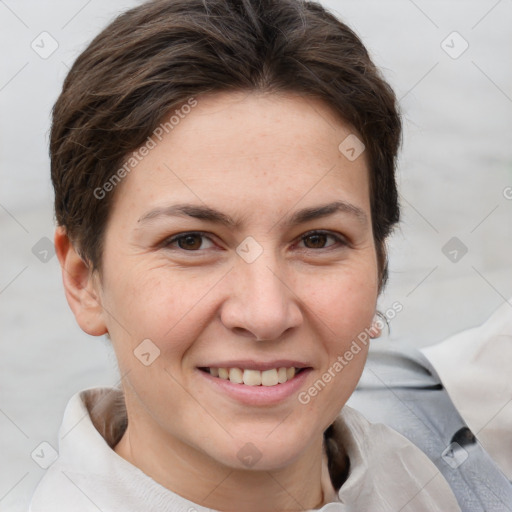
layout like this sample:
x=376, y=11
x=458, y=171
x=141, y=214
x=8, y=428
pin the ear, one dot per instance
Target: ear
x=80, y=285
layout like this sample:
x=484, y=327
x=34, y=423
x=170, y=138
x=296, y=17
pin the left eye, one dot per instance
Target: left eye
x=319, y=239
x=189, y=241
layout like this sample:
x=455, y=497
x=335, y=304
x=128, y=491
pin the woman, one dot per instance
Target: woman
x=224, y=185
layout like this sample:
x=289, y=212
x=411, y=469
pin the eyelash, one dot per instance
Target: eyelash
x=340, y=241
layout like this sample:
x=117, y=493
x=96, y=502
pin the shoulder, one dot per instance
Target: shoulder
x=88, y=474
x=387, y=472
x=400, y=388
x=83, y=452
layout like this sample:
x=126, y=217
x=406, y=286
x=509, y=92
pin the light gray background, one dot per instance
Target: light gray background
x=454, y=169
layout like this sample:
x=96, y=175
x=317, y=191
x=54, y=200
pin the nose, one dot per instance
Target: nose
x=261, y=303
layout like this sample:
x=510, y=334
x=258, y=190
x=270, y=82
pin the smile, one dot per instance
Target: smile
x=253, y=387
x=249, y=377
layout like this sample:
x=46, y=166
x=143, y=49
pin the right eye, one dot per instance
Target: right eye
x=192, y=241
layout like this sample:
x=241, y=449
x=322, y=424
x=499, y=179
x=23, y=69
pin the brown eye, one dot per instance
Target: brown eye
x=320, y=240
x=316, y=241
x=189, y=242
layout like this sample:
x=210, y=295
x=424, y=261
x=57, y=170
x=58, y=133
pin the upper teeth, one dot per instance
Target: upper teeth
x=254, y=377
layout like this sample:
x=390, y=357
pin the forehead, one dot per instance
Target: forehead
x=268, y=148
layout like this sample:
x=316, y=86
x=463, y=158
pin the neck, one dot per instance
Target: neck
x=192, y=474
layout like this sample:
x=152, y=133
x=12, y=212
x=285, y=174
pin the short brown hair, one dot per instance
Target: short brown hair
x=152, y=59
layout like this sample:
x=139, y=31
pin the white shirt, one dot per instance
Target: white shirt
x=387, y=472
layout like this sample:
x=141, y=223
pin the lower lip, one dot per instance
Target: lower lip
x=258, y=395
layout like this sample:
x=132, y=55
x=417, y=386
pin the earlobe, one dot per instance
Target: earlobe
x=79, y=285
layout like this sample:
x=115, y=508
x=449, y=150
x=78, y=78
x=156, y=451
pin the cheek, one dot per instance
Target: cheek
x=159, y=305
x=158, y=314
x=345, y=302
x=342, y=307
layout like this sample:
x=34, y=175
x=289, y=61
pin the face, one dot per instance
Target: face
x=242, y=240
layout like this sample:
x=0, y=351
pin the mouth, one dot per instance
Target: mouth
x=252, y=377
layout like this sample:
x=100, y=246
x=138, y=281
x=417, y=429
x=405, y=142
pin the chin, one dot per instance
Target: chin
x=262, y=452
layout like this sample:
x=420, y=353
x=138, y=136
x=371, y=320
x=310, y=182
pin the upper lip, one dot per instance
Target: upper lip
x=250, y=364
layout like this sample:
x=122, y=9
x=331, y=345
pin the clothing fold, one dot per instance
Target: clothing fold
x=387, y=472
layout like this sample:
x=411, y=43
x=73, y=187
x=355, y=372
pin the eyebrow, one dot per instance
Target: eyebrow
x=217, y=217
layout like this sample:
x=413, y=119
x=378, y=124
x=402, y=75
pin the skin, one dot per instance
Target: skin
x=259, y=159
